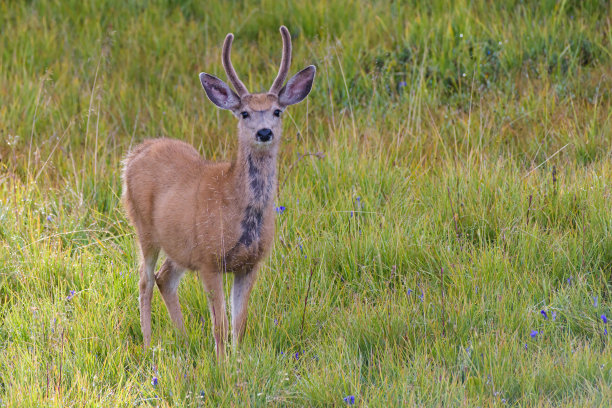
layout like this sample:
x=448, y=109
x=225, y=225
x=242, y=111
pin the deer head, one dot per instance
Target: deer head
x=259, y=114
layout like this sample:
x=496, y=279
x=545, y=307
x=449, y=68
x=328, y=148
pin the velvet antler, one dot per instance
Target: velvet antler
x=229, y=68
x=285, y=62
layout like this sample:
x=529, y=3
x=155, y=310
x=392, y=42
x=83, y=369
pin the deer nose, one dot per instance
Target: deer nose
x=264, y=135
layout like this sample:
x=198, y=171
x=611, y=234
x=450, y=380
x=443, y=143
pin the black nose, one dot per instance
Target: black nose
x=264, y=135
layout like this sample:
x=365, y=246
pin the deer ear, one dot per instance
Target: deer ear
x=219, y=92
x=298, y=87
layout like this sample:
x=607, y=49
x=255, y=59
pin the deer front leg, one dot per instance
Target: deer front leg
x=241, y=291
x=213, y=285
x=168, y=279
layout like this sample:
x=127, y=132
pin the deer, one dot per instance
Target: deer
x=211, y=217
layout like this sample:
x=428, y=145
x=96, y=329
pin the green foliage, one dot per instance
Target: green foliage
x=463, y=188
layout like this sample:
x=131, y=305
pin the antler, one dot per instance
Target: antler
x=229, y=68
x=285, y=62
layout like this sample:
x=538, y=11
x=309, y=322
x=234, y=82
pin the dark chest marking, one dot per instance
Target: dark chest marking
x=251, y=225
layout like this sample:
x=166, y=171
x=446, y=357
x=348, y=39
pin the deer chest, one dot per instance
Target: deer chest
x=255, y=237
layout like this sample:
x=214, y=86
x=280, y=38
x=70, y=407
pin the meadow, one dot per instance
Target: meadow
x=446, y=233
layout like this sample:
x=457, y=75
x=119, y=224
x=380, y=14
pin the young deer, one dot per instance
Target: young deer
x=211, y=217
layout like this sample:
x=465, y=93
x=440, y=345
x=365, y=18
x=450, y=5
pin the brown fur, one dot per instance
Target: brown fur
x=260, y=102
x=210, y=217
x=191, y=200
x=192, y=210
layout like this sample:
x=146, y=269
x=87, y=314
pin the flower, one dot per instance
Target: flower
x=604, y=318
x=358, y=204
x=543, y=313
x=71, y=295
x=403, y=84
x=297, y=355
x=280, y=209
x=595, y=301
x=409, y=292
x=534, y=333
x=154, y=381
x=349, y=399
x=554, y=315
x=202, y=394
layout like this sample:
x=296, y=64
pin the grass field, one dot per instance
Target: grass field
x=456, y=226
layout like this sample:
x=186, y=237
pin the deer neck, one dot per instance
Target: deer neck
x=256, y=176
x=255, y=184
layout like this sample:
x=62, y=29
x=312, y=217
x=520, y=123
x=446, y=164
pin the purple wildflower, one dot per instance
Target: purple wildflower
x=409, y=292
x=525, y=346
x=403, y=84
x=595, y=301
x=49, y=218
x=554, y=315
x=534, y=333
x=543, y=313
x=280, y=209
x=349, y=399
x=154, y=381
x=71, y=295
x=604, y=318
x=202, y=394
x=301, y=247
x=569, y=280
x=297, y=355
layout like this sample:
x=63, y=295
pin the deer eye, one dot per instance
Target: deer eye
x=244, y=115
x=277, y=112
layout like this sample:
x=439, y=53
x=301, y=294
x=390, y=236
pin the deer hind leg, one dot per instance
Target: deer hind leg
x=241, y=291
x=146, y=285
x=167, y=279
x=213, y=285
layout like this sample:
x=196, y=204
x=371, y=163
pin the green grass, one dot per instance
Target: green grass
x=464, y=188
